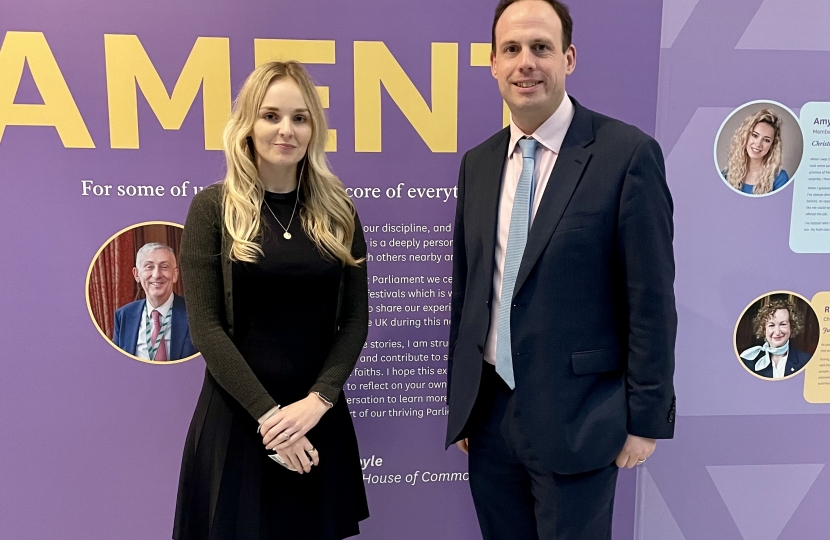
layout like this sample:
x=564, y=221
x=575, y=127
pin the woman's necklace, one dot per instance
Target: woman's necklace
x=286, y=234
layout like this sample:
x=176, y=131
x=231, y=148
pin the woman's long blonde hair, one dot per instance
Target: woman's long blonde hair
x=327, y=213
x=738, y=163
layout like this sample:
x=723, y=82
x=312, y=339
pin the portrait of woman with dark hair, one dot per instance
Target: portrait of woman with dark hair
x=273, y=265
x=755, y=155
x=776, y=323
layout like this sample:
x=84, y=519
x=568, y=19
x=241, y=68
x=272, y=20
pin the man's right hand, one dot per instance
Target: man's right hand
x=463, y=445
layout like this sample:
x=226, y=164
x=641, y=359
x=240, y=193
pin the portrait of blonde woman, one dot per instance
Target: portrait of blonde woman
x=272, y=260
x=754, y=165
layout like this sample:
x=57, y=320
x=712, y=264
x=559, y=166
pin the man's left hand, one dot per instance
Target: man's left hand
x=635, y=451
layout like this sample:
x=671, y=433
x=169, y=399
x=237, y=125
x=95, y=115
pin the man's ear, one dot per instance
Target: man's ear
x=493, y=71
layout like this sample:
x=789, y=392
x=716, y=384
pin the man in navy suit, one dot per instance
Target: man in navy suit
x=574, y=379
x=155, y=328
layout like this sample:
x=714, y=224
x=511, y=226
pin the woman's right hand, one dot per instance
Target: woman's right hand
x=301, y=455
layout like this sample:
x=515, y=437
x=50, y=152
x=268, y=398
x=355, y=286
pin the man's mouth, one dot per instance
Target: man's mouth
x=526, y=84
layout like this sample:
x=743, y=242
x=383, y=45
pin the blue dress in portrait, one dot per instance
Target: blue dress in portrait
x=779, y=181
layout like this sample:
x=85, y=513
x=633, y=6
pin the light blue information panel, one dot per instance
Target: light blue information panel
x=810, y=222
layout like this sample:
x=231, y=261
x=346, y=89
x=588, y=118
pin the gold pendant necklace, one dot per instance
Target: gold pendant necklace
x=286, y=234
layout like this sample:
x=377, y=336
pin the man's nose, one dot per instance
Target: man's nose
x=526, y=59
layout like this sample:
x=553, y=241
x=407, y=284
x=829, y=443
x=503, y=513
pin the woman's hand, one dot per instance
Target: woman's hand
x=301, y=455
x=292, y=422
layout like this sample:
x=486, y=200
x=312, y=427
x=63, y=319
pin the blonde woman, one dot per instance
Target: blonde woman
x=272, y=260
x=754, y=163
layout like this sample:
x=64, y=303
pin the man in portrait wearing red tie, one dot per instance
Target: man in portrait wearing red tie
x=155, y=328
x=563, y=323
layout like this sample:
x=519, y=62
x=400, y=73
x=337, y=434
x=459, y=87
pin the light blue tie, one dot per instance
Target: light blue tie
x=516, y=241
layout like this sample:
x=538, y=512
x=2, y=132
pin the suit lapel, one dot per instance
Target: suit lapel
x=570, y=164
x=491, y=173
x=179, y=326
x=133, y=322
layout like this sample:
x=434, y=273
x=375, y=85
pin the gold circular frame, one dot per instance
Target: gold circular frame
x=89, y=304
x=735, y=336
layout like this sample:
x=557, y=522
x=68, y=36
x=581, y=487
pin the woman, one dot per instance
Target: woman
x=754, y=164
x=776, y=323
x=272, y=264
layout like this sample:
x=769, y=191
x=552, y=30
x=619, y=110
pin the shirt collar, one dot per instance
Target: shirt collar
x=551, y=133
x=162, y=309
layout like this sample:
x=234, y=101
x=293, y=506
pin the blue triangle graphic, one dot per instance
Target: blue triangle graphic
x=763, y=498
x=654, y=520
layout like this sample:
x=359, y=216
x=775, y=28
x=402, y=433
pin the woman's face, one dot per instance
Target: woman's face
x=282, y=129
x=760, y=140
x=778, y=328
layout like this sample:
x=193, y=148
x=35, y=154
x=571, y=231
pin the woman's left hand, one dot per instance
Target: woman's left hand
x=292, y=422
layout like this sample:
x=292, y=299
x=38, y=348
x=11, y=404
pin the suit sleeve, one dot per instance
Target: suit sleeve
x=116, y=329
x=645, y=233
x=353, y=324
x=459, y=270
x=201, y=265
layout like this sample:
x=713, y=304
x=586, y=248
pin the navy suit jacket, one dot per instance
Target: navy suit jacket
x=796, y=360
x=593, y=318
x=128, y=321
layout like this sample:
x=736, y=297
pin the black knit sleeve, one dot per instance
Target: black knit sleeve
x=353, y=323
x=201, y=270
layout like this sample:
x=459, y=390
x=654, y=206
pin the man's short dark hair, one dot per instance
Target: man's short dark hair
x=560, y=9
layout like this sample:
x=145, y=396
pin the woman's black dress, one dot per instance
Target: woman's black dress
x=284, y=312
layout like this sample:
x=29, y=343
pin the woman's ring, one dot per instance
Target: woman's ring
x=285, y=436
x=641, y=461
x=312, y=449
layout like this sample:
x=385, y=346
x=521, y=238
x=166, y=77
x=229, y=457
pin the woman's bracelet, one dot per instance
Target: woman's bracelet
x=266, y=416
x=324, y=399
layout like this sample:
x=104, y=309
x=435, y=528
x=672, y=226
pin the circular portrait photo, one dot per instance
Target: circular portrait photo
x=758, y=148
x=134, y=294
x=777, y=335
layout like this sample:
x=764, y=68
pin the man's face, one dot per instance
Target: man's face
x=529, y=63
x=157, y=273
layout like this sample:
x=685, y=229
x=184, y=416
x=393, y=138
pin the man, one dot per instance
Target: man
x=563, y=317
x=156, y=328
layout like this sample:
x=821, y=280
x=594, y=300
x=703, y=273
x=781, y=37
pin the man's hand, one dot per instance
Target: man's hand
x=635, y=451
x=464, y=445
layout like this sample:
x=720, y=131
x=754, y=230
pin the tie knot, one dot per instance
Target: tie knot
x=155, y=315
x=528, y=147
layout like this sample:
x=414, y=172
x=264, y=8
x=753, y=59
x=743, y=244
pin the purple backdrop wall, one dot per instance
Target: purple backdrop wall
x=92, y=440
x=749, y=459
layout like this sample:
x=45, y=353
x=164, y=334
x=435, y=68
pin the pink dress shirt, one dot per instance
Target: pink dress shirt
x=550, y=136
